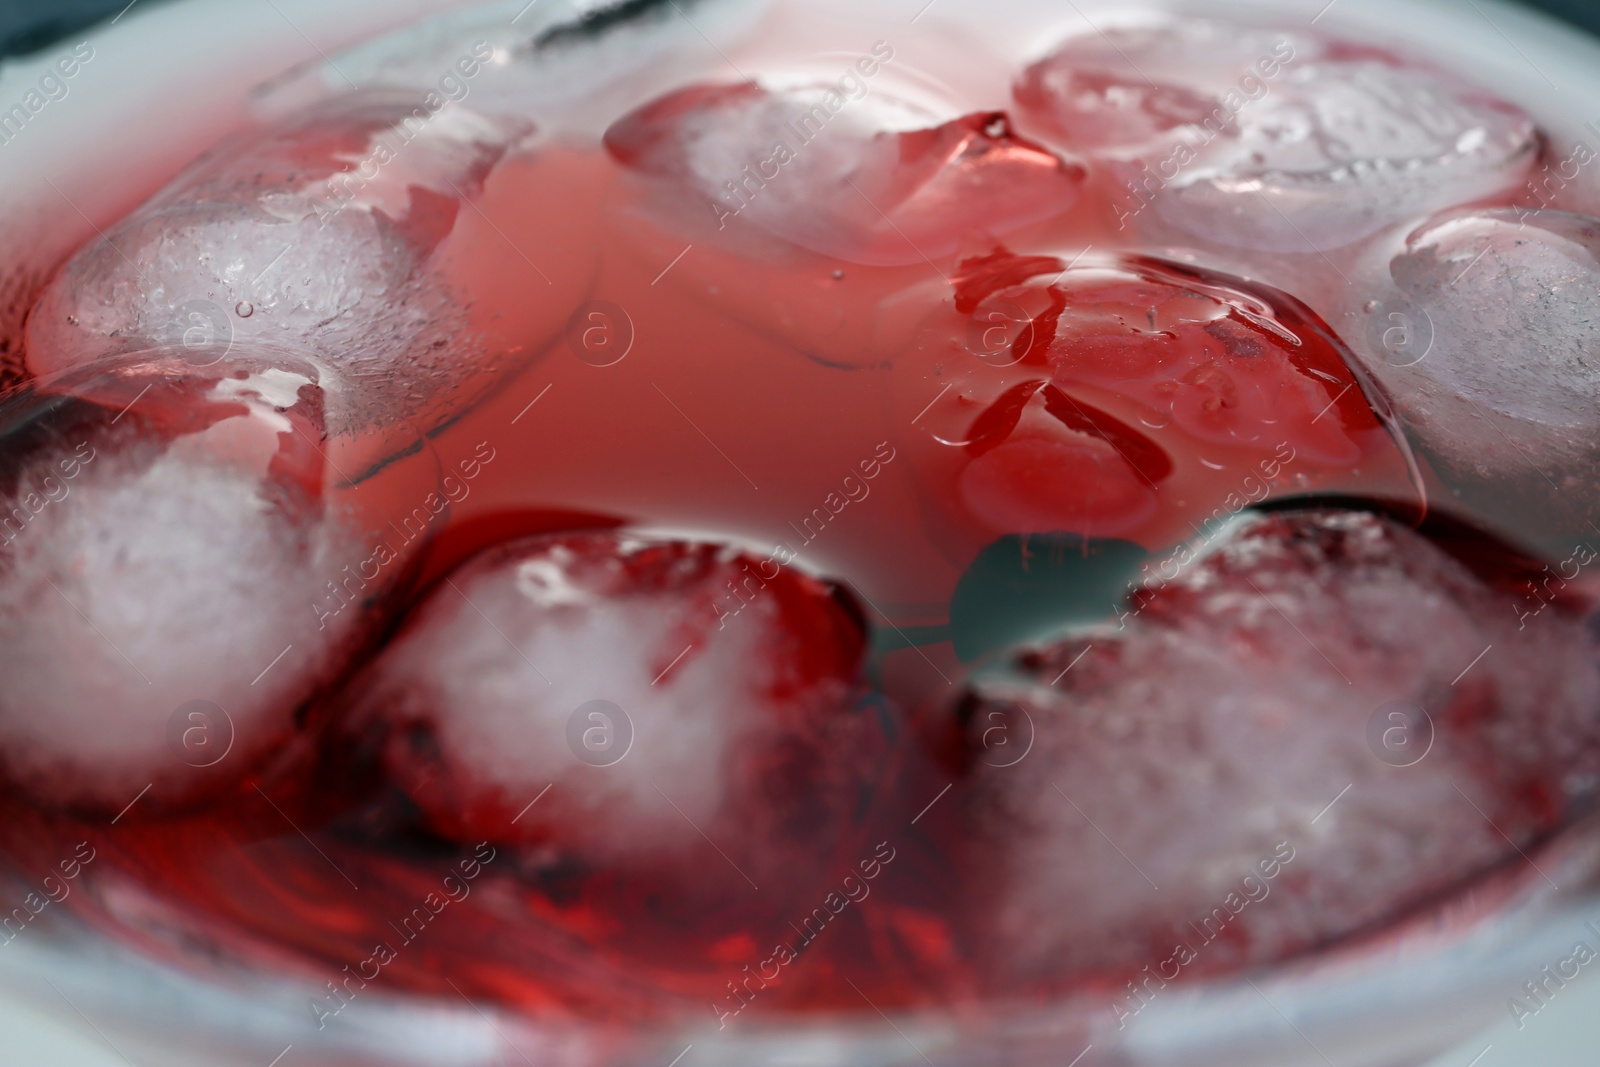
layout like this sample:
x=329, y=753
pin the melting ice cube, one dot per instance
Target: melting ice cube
x=184, y=563
x=314, y=238
x=666, y=692
x=865, y=179
x=1488, y=341
x=1270, y=703
x=1273, y=141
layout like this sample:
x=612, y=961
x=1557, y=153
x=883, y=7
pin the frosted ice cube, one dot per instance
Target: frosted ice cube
x=1489, y=344
x=176, y=576
x=1512, y=300
x=314, y=237
x=1233, y=717
x=666, y=692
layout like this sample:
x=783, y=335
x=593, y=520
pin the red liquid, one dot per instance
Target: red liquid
x=1005, y=387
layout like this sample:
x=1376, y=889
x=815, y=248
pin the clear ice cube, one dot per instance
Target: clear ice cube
x=863, y=177
x=1272, y=141
x=316, y=239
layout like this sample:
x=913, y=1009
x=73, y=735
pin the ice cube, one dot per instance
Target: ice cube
x=667, y=693
x=1135, y=91
x=864, y=178
x=314, y=237
x=1122, y=396
x=184, y=564
x=1240, y=713
x=1274, y=142
x=1488, y=342
x=1348, y=149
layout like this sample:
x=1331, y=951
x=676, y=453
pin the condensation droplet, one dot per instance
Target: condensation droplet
x=838, y=275
x=244, y=309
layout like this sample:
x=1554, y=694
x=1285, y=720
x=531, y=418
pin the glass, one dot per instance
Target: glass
x=1398, y=993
